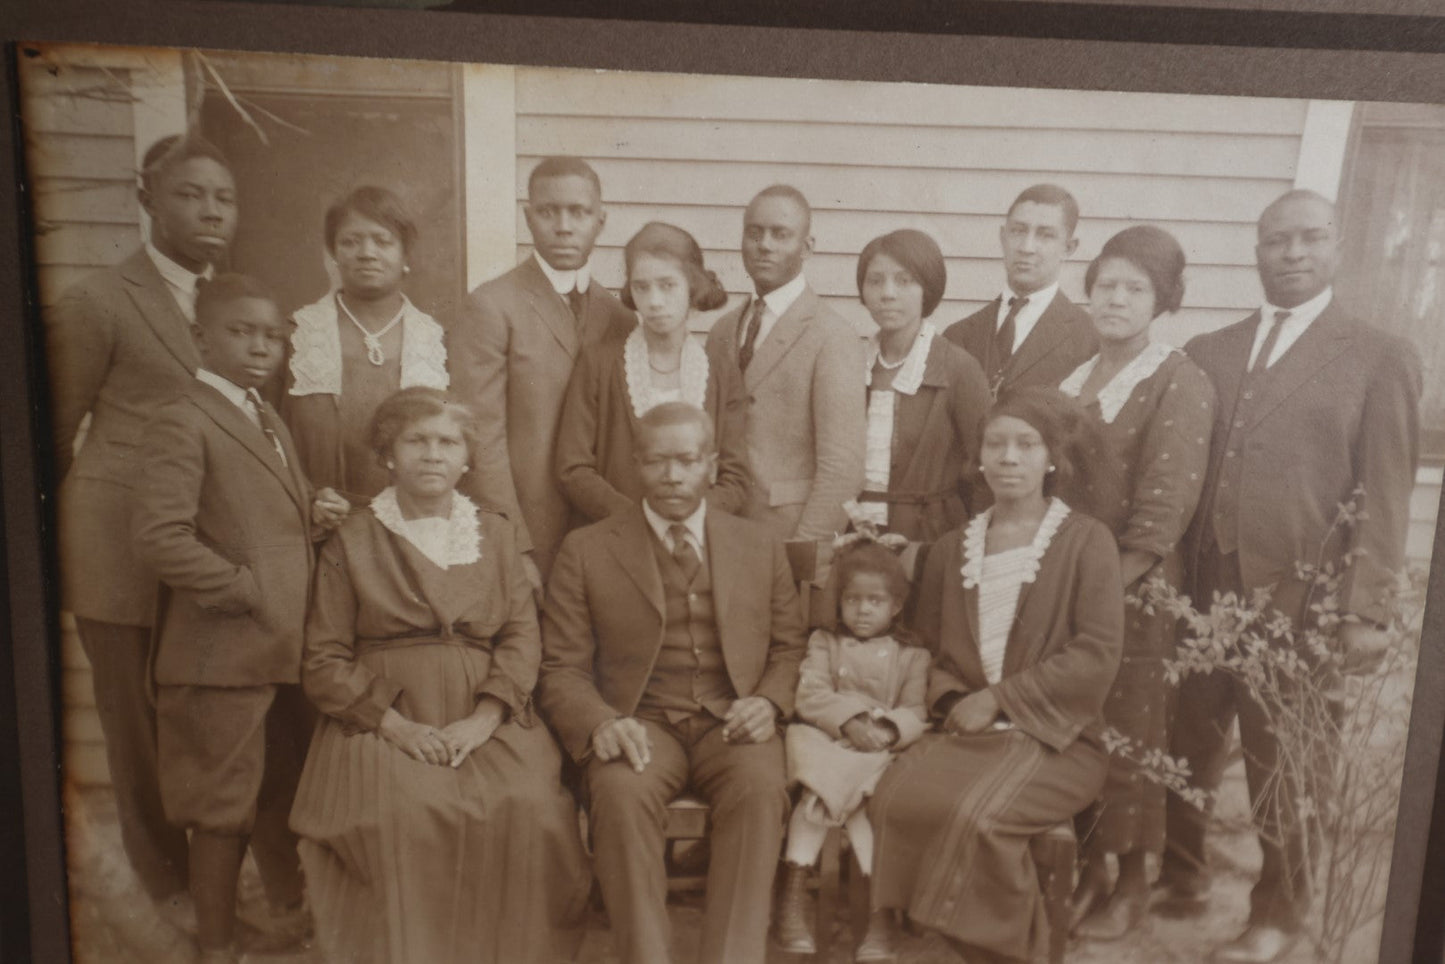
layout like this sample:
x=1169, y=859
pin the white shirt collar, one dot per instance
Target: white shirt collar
x=694, y=524
x=182, y=281
x=780, y=299
x=233, y=392
x=1300, y=318
x=1029, y=314
x=564, y=281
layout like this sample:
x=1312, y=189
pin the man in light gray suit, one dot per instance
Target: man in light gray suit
x=802, y=366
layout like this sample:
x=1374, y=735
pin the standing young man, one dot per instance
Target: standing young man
x=120, y=344
x=802, y=366
x=1031, y=334
x=512, y=350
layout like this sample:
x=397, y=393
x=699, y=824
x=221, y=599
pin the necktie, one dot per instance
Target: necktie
x=577, y=301
x=258, y=416
x=1003, y=339
x=682, y=551
x=750, y=334
x=1261, y=361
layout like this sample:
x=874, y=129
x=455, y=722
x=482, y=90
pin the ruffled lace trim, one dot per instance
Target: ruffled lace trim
x=975, y=540
x=464, y=531
x=1114, y=395
x=316, y=349
x=692, y=375
x=910, y=374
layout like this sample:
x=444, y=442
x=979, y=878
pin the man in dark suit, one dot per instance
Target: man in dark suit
x=1312, y=405
x=120, y=344
x=671, y=641
x=1031, y=334
x=511, y=354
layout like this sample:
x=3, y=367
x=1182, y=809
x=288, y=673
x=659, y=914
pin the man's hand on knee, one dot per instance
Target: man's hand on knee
x=752, y=719
x=623, y=737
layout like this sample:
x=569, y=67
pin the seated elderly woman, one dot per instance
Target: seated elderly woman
x=1024, y=610
x=433, y=821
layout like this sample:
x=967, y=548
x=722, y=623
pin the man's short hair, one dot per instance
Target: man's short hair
x=167, y=152
x=1303, y=194
x=1054, y=196
x=563, y=165
x=676, y=413
x=224, y=289
x=792, y=194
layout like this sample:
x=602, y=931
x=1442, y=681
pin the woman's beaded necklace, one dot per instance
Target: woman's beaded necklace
x=374, y=353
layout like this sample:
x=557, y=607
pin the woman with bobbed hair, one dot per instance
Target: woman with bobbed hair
x=433, y=822
x=619, y=379
x=358, y=344
x=926, y=395
x=1023, y=610
x=1155, y=408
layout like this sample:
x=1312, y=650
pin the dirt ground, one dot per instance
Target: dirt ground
x=113, y=924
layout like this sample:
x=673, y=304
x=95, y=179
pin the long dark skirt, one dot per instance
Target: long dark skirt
x=953, y=818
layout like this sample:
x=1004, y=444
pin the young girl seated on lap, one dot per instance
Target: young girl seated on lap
x=860, y=699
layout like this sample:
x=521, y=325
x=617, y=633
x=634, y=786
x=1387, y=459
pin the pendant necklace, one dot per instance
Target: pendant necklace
x=374, y=354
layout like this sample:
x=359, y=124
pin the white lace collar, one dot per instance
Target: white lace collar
x=316, y=349
x=692, y=375
x=910, y=374
x=1113, y=395
x=464, y=534
x=975, y=537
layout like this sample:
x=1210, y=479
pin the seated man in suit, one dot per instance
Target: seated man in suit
x=1031, y=334
x=802, y=370
x=512, y=350
x=671, y=641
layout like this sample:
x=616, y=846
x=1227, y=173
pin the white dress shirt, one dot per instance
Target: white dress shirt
x=565, y=281
x=775, y=304
x=693, y=524
x=1299, y=320
x=180, y=281
x=234, y=393
x=1028, y=315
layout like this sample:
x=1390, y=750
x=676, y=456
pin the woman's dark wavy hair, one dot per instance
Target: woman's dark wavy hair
x=375, y=204
x=916, y=252
x=705, y=291
x=411, y=405
x=870, y=557
x=1085, y=466
x=1153, y=251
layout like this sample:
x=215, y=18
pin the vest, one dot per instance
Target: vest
x=1225, y=508
x=689, y=675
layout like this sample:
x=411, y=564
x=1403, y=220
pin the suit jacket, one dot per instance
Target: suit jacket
x=227, y=528
x=118, y=348
x=602, y=625
x=510, y=355
x=1340, y=410
x=596, y=439
x=1062, y=340
x=806, y=417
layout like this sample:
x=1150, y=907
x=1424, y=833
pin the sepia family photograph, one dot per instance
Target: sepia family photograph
x=523, y=515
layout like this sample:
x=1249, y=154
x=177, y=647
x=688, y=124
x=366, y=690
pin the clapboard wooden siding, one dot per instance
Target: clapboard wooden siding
x=873, y=157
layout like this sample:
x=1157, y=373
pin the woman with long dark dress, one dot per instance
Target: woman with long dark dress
x=1154, y=407
x=433, y=820
x=358, y=344
x=1024, y=611
x=926, y=396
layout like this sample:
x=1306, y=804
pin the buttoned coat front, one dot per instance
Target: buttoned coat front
x=806, y=417
x=510, y=355
x=603, y=622
x=118, y=348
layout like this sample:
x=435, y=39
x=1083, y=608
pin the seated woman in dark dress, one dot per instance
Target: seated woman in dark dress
x=433, y=821
x=1156, y=409
x=358, y=344
x=1024, y=610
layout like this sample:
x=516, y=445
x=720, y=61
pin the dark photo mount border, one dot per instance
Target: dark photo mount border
x=994, y=42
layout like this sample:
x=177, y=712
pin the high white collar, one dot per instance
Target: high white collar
x=564, y=281
x=175, y=275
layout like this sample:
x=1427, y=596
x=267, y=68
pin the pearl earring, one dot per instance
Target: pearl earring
x=1051, y=468
x=406, y=269
x=390, y=464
